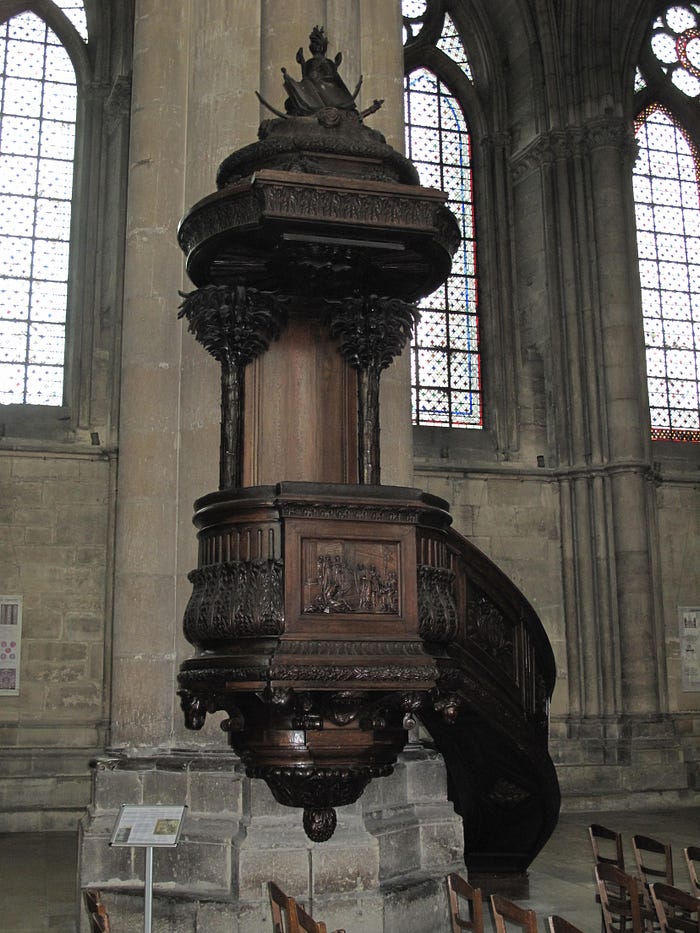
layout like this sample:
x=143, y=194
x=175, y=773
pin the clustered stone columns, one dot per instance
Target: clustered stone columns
x=600, y=438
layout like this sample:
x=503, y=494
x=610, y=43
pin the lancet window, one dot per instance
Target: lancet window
x=38, y=105
x=667, y=203
x=445, y=359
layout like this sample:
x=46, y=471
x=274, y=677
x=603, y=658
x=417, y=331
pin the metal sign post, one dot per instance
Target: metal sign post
x=148, y=827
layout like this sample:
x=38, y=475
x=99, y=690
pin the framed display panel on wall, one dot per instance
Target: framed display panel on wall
x=10, y=644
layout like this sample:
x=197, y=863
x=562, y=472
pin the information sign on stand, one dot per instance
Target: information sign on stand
x=148, y=827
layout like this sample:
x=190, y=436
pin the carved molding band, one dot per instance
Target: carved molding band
x=355, y=648
x=325, y=674
x=356, y=513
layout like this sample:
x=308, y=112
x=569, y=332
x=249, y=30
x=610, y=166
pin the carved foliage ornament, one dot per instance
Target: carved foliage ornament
x=371, y=330
x=235, y=599
x=488, y=628
x=437, y=612
x=233, y=323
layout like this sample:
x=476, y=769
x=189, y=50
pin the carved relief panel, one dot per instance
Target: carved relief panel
x=348, y=578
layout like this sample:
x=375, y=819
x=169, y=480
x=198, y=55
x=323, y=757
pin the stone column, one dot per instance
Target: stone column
x=628, y=436
x=145, y=624
x=592, y=340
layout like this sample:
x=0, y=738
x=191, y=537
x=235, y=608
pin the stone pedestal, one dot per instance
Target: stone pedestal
x=384, y=869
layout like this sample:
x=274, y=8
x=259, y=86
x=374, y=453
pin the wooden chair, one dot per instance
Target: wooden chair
x=458, y=888
x=654, y=863
x=284, y=910
x=558, y=924
x=505, y=912
x=607, y=846
x=308, y=924
x=677, y=911
x=654, y=860
x=290, y=917
x=620, y=899
x=607, y=850
x=692, y=860
x=96, y=911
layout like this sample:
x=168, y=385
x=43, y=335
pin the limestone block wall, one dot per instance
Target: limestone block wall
x=516, y=518
x=55, y=531
x=679, y=559
x=513, y=517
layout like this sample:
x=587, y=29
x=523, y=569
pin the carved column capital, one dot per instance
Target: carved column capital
x=232, y=322
x=235, y=324
x=372, y=331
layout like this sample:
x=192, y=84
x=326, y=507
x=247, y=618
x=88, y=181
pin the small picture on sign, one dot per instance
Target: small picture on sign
x=122, y=834
x=8, y=678
x=166, y=827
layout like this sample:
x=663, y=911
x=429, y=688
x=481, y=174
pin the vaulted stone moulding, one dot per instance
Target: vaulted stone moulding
x=327, y=615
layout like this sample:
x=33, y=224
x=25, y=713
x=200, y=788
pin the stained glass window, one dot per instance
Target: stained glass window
x=675, y=43
x=667, y=204
x=445, y=363
x=667, y=199
x=37, y=141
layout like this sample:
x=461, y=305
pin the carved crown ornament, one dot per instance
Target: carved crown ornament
x=326, y=617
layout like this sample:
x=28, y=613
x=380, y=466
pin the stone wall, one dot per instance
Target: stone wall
x=515, y=517
x=55, y=550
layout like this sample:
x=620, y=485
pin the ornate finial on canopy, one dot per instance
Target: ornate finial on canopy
x=320, y=87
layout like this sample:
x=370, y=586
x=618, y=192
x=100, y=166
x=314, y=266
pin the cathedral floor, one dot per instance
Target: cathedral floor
x=38, y=870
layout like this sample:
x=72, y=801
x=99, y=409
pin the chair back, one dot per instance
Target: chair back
x=676, y=910
x=284, y=910
x=620, y=899
x=308, y=924
x=558, y=924
x=290, y=917
x=458, y=888
x=654, y=859
x=506, y=914
x=692, y=860
x=96, y=911
x=607, y=845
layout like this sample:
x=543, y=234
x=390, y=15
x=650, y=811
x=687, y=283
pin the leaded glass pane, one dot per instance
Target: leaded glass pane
x=675, y=43
x=451, y=44
x=667, y=204
x=37, y=141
